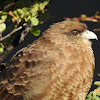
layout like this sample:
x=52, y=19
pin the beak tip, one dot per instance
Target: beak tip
x=97, y=39
x=90, y=35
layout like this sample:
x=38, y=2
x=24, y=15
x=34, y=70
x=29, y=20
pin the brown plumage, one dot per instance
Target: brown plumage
x=57, y=66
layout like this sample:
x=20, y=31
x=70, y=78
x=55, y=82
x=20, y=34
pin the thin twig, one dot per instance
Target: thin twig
x=16, y=29
x=4, y=45
x=96, y=29
x=7, y=6
x=24, y=32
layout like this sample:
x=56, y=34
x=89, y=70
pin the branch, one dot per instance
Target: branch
x=16, y=29
x=24, y=32
x=96, y=29
x=84, y=17
x=7, y=6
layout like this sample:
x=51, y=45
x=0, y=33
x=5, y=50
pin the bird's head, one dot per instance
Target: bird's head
x=75, y=32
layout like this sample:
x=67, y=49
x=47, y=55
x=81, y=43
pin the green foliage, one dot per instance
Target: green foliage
x=95, y=95
x=29, y=14
x=35, y=31
x=3, y=16
x=19, y=15
x=34, y=21
x=1, y=48
x=97, y=83
x=2, y=27
x=98, y=74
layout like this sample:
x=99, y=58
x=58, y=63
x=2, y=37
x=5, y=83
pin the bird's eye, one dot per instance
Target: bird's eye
x=75, y=33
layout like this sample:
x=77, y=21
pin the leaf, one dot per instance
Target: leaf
x=35, y=31
x=1, y=21
x=90, y=96
x=46, y=2
x=24, y=9
x=20, y=12
x=15, y=13
x=34, y=21
x=1, y=45
x=98, y=74
x=97, y=83
x=16, y=16
x=2, y=27
x=26, y=18
x=98, y=93
x=97, y=98
x=1, y=50
x=33, y=11
x=42, y=5
x=3, y=17
x=36, y=4
x=88, y=99
x=3, y=13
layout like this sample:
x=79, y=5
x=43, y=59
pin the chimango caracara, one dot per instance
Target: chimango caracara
x=58, y=66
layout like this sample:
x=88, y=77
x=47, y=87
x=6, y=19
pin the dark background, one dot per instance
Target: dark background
x=60, y=9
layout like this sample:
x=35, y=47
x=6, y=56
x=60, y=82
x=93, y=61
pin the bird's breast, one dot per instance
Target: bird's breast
x=71, y=73
x=67, y=74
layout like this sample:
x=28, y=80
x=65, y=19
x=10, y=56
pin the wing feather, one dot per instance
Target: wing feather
x=25, y=65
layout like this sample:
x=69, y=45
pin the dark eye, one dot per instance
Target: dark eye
x=75, y=33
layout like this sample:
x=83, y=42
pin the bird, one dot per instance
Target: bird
x=57, y=66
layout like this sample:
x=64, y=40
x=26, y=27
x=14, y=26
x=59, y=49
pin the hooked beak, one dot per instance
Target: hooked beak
x=89, y=35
